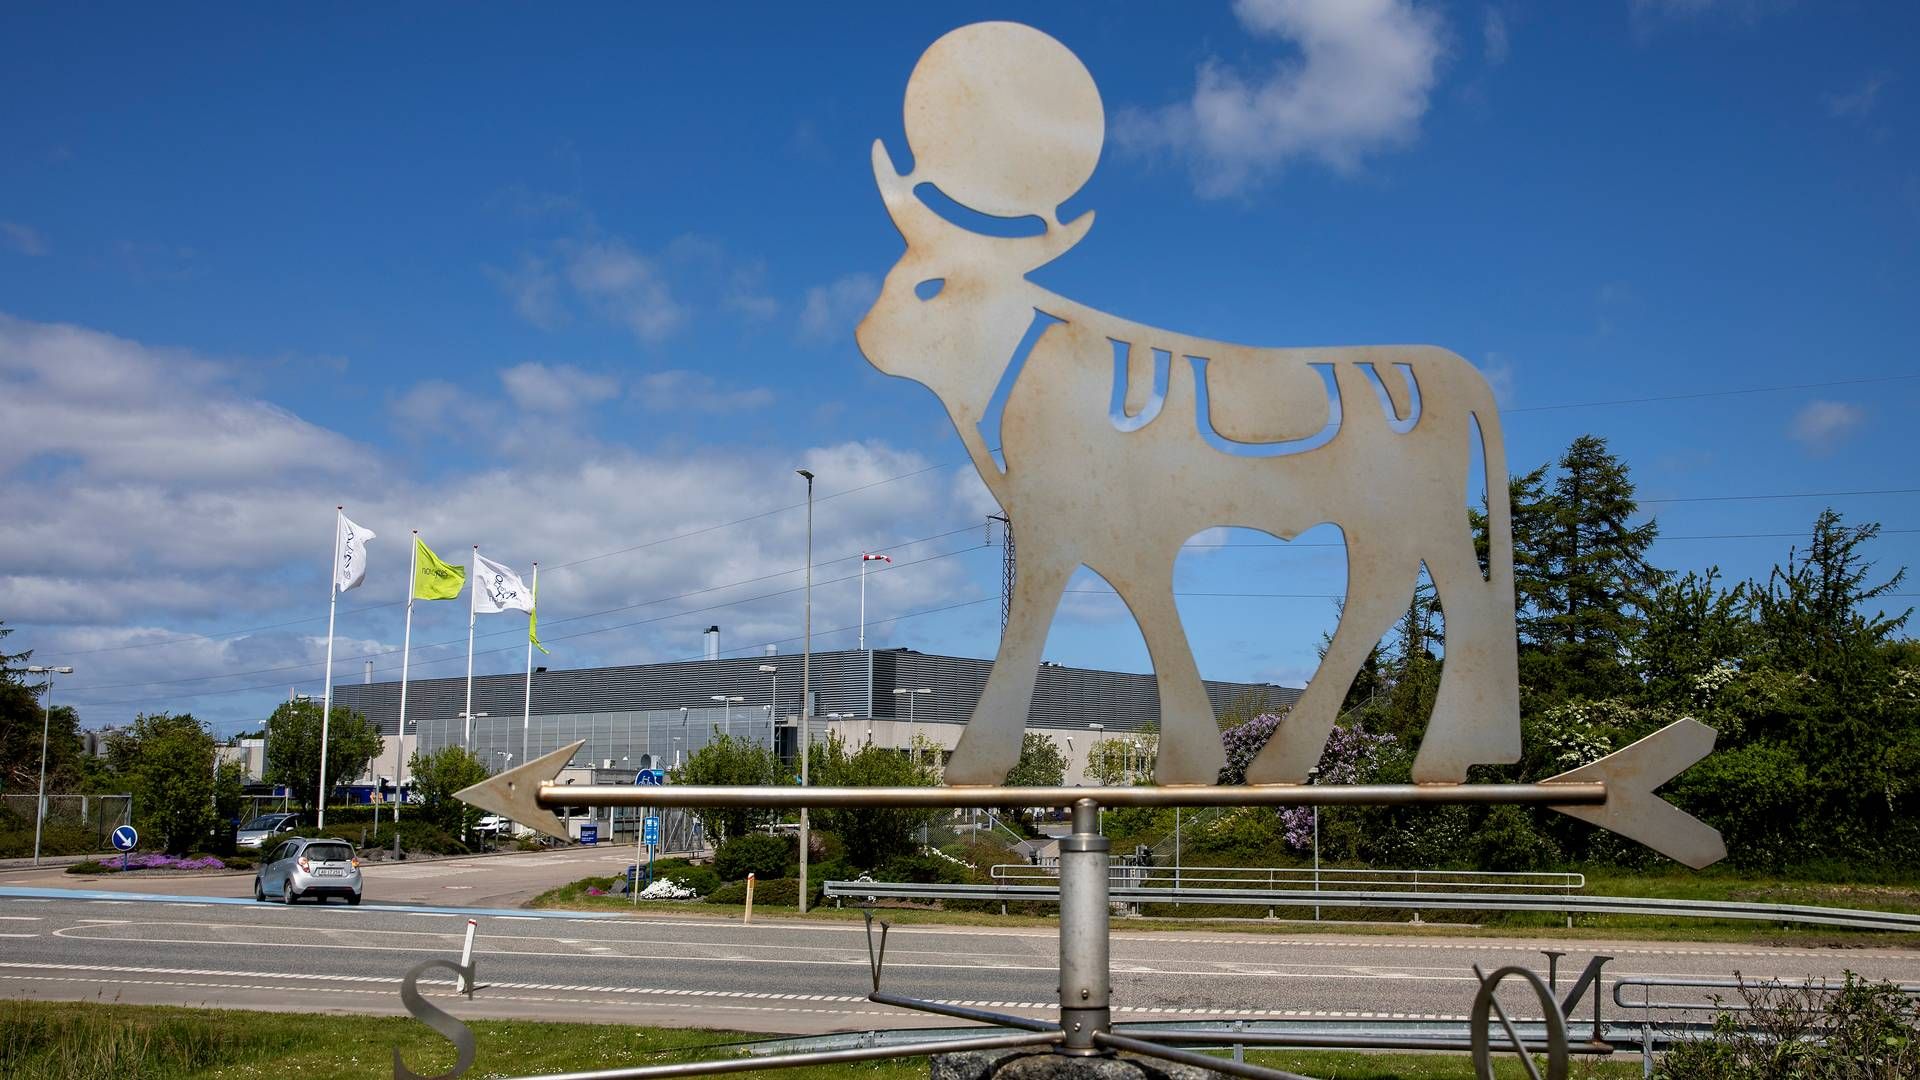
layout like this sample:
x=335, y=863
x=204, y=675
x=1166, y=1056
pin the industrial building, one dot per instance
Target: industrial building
x=654, y=715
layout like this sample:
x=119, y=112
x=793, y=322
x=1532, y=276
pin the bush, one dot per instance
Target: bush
x=923, y=870
x=418, y=836
x=1865, y=1030
x=1507, y=840
x=781, y=891
x=763, y=856
x=703, y=881
x=93, y=866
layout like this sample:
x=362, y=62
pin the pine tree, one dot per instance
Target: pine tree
x=1581, y=571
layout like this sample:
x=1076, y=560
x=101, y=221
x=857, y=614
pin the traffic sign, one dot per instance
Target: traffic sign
x=125, y=838
x=650, y=830
x=650, y=777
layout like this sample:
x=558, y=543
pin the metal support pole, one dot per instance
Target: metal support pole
x=1084, y=1009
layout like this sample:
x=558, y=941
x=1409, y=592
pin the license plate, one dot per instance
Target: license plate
x=329, y=872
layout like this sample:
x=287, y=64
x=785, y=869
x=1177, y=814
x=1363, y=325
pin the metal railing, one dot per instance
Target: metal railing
x=1656, y=1032
x=1273, y=878
x=1307, y=898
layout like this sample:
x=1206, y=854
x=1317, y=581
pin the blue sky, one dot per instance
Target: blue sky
x=566, y=285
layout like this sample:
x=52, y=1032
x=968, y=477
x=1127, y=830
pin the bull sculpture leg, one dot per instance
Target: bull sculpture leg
x=990, y=746
x=1189, y=751
x=1378, y=588
x=1476, y=712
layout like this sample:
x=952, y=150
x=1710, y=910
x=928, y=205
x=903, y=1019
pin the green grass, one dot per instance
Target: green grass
x=1541, y=926
x=140, y=1042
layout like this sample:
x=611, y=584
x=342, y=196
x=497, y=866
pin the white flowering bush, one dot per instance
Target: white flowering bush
x=665, y=888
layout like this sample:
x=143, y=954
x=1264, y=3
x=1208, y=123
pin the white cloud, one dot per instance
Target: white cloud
x=101, y=550
x=832, y=310
x=23, y=239
x=1493, y=33
x=1361, y=84
x=559, y=389
x=534, y=289
x=1857, y=103
x=1821, y=426
x=626, y=287
x=692, y=391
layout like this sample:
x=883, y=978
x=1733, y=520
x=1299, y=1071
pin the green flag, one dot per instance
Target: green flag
x=432, y=578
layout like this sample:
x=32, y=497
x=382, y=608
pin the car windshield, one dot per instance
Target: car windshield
x=263, y=822
x=328, y=853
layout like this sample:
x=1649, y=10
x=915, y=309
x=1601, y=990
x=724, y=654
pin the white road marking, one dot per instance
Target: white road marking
x=21, y=918
x=19, y=935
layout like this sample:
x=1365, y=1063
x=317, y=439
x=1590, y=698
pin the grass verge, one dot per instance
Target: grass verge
x=1534, y=925
x=143, y=1042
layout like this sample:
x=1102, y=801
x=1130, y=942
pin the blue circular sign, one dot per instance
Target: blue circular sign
x=125, y=838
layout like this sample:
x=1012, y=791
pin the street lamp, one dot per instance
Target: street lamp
x=46, y=722
x=726, y=710
x=508, y=754
x=1313, y=777
x=913, y=744
x=773, y=710
x=806, y=707
x=469, y=718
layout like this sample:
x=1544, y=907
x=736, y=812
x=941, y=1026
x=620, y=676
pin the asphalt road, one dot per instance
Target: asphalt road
x=478, y=881
x=773, y=976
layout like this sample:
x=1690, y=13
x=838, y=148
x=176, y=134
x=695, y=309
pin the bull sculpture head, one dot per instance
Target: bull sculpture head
x=1007, y=122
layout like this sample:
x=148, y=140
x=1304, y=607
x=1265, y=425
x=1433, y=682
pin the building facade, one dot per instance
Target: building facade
x=655, y=715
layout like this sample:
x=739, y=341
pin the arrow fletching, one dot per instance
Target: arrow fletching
x=1633, y=810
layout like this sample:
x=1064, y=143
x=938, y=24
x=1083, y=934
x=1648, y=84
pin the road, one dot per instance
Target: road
x=771, y=976
x=477, y=881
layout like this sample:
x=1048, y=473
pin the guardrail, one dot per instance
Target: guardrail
x=1424, y=901
x=1664, y=1030
x=1273, y=877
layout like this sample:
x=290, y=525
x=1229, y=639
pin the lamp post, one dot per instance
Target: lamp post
x=469, y=718
x=46, y=722
x=806, y=707
x=726, y=710
x=773, y=710
x=913, y=743
x=683, y=738
x=1313, y=777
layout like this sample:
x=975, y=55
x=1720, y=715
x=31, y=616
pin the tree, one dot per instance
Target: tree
x=1041, y=764
x=872, y=835
x=21, y=720
x=1107, y=762
x=435, y=777
x=229, y=792
x=1812, y=615
x=1581, y=575
x=167, y=761
x=293, y=748
x=728, y=761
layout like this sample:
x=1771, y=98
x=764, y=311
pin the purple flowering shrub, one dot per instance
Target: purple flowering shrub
x=1351, y=757
x=158, y=861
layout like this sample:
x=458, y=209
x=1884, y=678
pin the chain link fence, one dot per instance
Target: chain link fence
x=74, y=825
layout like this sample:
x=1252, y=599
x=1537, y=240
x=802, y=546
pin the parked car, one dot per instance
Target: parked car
x=494, y=825
x=301, y=868
x=265, y=830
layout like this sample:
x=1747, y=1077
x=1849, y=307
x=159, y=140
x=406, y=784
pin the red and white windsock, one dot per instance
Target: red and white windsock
x=865, y=558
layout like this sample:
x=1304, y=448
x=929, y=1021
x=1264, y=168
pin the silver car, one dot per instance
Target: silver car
x=266, y=830
x=299, y=868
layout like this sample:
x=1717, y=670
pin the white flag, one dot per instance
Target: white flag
x=496, y=588
x=350, y=554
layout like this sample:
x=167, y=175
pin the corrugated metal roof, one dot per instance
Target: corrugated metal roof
x=1064, y=697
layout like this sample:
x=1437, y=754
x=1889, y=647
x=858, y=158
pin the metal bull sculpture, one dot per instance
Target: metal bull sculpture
x=1118, y=442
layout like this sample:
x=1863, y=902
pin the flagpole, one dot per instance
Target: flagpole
x=473, y=575
x=526, y=717
x=406, y=654
x=326, y=694
x=863, y=602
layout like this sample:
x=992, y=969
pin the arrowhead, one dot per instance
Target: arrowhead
x=515, y=793
x=1634, y=811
